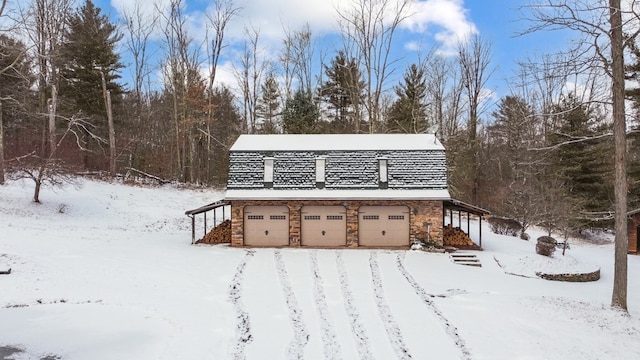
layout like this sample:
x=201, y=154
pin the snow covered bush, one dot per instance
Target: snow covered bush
x=546, y=245
x=504, y=226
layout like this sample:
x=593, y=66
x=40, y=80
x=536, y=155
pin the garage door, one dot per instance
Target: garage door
x=323, y=226
x=266, y=225
x=383, y=226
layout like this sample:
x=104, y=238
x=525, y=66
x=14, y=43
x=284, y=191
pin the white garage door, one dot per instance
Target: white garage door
x=383, y=226
x=266, y=226
x=323, y=226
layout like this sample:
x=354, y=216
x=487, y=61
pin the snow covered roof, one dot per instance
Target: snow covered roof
x=325, y=194
x=327, y=142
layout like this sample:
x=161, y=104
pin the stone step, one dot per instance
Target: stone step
x=463, y=255
x=469, y=263
x=465, y=259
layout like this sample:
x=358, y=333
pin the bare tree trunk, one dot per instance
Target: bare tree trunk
x=1, y=146
x=112, y=132
x=53, y=101
x=370, y=25
x=474, y=64
x=619, y=295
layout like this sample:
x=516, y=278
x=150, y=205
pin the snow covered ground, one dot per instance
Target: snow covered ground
x=107, y=271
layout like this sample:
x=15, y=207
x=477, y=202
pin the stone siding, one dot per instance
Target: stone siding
x=425, y=218
x=632, y=232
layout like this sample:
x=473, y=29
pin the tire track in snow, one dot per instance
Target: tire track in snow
x=300, y=332
x=451, y=330
x=330, y=345
x=393, y=330
x=362, y=339
x=243, y=326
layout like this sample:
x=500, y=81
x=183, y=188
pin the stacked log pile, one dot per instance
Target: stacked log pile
x=455, y=237
x=218, y=235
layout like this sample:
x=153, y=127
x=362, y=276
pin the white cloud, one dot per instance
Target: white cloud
x=445, y=19
x=413, y=46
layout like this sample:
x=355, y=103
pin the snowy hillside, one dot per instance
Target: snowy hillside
x=107, y=271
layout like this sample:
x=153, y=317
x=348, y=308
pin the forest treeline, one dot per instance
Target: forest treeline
x=542, y=154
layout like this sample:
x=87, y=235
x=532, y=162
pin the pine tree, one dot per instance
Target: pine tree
x=408, y=114
x=512, y=166
x=300, y=114
x=343, y=93
x=584, y=167
x=16, y=78
x=87, y=54
x=269, y=104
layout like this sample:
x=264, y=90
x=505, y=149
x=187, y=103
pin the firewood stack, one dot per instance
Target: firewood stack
x=219, y=234
x=455, y=237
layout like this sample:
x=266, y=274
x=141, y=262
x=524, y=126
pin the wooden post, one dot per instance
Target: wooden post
x=193, y=229
x=480, y=231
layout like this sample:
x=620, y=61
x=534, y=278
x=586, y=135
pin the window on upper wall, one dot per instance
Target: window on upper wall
x=268, y=171
x=320, y=171
x=382, y=170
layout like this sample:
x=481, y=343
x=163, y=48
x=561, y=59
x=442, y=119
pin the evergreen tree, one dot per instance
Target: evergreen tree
x=300, y=114
x=343, y=93
x=269, y=104
x=408, y=114
x=512, y=169
x=87, y=54
x=16, y=78
x=584, y=167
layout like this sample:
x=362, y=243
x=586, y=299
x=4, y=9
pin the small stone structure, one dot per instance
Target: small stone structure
x=546, y=245
x=576, y=277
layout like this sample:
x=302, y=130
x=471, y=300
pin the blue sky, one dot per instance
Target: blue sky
x=435, y=23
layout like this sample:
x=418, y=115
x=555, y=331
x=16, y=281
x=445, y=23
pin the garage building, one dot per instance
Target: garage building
x=369, y=190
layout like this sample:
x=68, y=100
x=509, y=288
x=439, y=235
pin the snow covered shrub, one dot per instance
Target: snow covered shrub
x=504, y=226
x=546, y=245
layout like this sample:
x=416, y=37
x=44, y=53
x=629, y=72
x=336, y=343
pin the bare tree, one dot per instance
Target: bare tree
x=370, y=26
x=444, y=95
x=1, y=142
x=474, y=59
x=2, y=7
x=219, y=17
x=249, y=76
x=181, y=73
x=139, y=25
x=49, y=170
x=45, y=23
x=600, y=26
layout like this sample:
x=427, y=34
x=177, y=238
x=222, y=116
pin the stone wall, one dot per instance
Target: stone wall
x=577, y=277
x=425, y=218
